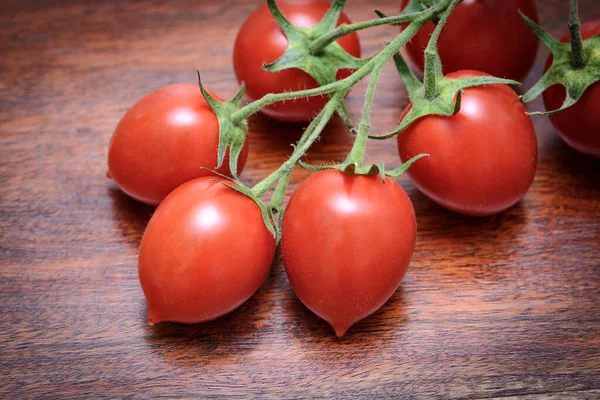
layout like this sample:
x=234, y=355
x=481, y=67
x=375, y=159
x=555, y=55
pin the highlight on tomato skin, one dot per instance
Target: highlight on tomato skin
x=347, y=241
x=482, y=160
x=261, y=40
x=167, y=138
x=487, y=36
x=205, y=251
x=578, y=125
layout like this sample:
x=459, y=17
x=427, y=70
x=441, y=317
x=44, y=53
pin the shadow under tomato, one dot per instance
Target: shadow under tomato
x=436, y=220
x=451, y=245
x=222, y=340
x=370, y=334
x=130, y=217
x=561, y=160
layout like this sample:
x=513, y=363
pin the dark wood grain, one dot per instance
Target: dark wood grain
x=505, y=306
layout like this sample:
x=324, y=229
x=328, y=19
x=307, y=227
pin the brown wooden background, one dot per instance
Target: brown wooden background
x=491, y=307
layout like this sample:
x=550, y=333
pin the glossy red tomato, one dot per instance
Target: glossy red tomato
x=481, y=160
x=346, y=244
x=578, y=125
x=205, y=251
x=261, y=40
x=483, y=35
x=163, y=141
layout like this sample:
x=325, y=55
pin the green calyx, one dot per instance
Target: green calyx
x=437, y=94
x=355, y=168
x=320, y=63
x=231, y=135
x=265, y=211
x=446, y=100
x=310, y=50
x=575, y=65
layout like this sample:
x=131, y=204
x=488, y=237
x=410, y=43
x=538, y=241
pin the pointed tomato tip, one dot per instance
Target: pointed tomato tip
x=153, y=319
x=340, y=330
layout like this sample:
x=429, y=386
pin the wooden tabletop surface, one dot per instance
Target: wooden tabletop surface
x=504, y=306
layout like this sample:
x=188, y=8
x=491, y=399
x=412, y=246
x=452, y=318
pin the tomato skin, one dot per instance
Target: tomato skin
x=482, y=35
x=346, y=244
x=481, y=160
x=261, y=40
x=205, y=251
x=578, y=125
x=163, y=141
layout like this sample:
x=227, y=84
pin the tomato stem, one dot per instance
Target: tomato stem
x=578, y=55
x=433, y=68
x=277, y=200
x=270, y=98
x=307, y=139
x=279, y=193
x=575, y=65
x=317, y=45
x=357, y=153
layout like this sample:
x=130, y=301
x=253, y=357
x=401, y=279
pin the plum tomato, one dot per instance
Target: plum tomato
x=481, y=160
x=578, y=125
x=482, y=35
x=261, y=40
x=205, y=251
x=164, y=140
x=346, y=244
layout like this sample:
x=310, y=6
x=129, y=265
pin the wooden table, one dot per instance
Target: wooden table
x=505, y=306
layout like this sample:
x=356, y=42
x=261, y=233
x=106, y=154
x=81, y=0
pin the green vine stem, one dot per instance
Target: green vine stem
x=579, y=57
x=306, y=141
x=432, y=59
x=320, y=43
x=357, y=153
x=279, y=193
x=255, y=106
x=313, y=125
x=274, y=209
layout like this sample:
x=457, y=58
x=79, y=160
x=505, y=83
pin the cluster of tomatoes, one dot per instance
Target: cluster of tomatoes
x=346, y=240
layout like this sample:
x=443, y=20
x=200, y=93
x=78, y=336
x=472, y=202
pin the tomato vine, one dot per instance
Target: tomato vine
x=475, y=140
x=437, y=96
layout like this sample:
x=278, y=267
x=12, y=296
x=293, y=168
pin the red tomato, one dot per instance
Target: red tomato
x=163, y=141
x=483, y=35
x=481, y=160
x=346, y=244
x=578, y=125
x=205, y=251
x=261, y=40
